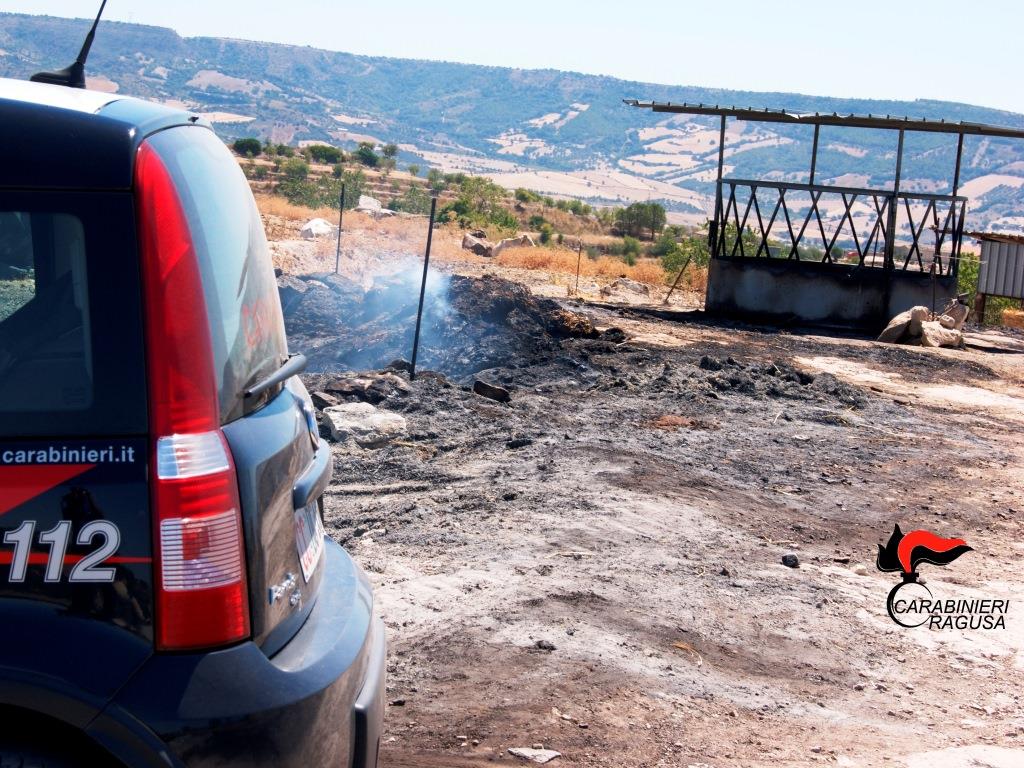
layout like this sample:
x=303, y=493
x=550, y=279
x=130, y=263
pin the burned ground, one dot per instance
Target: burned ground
x=596, y=565
x=468, y=324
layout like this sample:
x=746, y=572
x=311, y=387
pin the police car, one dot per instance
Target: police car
x=167, y=594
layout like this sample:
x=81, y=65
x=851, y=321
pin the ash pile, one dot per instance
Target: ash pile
x=469, y=324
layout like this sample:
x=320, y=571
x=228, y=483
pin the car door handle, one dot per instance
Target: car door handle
x=315, y=478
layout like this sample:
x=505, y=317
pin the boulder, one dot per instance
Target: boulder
x=954, y=315
x=476, y=245
x=523, y=241
x=624, y=288
x=933, y=334
x=905, y=326
x=316, y=228
x=361, y=423
x=369, y=204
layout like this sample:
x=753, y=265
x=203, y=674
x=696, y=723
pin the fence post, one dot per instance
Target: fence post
x=423, y=290
x=341, y=213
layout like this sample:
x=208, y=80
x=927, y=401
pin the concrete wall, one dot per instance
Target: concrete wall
x=787, y=291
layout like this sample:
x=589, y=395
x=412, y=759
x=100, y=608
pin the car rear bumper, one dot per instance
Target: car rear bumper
x=319, y=701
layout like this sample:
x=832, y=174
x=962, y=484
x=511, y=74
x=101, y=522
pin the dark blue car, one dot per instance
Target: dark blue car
x=167, y=594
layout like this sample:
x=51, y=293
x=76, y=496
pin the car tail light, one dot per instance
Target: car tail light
x=201, y=593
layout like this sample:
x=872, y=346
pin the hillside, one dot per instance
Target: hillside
x=555, y=132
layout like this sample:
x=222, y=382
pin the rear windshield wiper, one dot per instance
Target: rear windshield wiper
x=294, y=365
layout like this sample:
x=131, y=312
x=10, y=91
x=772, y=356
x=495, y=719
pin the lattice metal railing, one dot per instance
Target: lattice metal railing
x=838, y=225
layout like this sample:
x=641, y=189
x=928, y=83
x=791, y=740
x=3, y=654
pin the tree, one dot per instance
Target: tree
x=640, y=217
x=248, y=147
x=324, y=154
x=390, y=150
x=414, y=169
x=366, y=155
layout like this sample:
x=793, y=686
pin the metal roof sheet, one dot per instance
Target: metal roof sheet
x=888, y=122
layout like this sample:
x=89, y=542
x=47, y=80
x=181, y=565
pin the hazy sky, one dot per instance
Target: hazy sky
x=901, y=49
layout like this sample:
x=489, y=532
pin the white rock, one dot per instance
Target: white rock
x=625, y=289
x=534, y=755
x=523, y=241
x=369, y=427
x=906, y=325
x=933, y=334
x=315, y=228
x=369, y=204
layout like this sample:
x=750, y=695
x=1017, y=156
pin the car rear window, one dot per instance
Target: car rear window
x=244, y=311
x=68, y=315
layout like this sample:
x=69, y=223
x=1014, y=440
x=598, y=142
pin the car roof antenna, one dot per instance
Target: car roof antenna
x=73, y=76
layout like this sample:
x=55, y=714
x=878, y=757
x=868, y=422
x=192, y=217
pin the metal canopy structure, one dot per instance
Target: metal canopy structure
x=825, y=253
x=868, y=219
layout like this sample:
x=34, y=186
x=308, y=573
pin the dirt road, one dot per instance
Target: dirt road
x=596, y=566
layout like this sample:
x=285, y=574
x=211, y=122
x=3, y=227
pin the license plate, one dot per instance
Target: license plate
x=309, y=538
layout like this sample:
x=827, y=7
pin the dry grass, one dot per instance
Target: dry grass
x=1013, y=318
x=273, y=205
x=410, y=232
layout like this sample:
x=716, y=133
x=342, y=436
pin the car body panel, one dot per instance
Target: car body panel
x=239, y=707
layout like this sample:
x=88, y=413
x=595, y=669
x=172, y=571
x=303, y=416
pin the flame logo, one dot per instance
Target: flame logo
x=904, y=552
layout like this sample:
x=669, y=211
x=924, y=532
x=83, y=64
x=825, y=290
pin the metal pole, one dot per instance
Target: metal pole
x=341, y=213
x=814, y=152
x=956, y=171
x=423, y=289
x=890, y=243
x=713, y=233
x=678, y=278
x=579, y=258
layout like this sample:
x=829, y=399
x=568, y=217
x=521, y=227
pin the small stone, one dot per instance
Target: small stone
x=791, y=561
x=545, y=645
x=398, y=702
x=724, y=572
x=534, y=754
x=323, y=399
x=860, y=569
x=491, y=391
x=518, y=442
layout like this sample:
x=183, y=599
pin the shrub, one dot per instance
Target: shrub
x=295, y=168
x=324, y=154
x=436, y=182
x=546, y=231
x=365, y=155
x=390, y=151
x=248, y=147
x=526, y=196
x=415, y=200
x=536, y=221
x=413, y=169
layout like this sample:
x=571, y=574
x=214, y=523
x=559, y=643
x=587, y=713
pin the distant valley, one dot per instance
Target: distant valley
x=553, y=132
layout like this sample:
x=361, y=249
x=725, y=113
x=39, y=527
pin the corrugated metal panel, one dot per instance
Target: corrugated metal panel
x=1002, y=269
